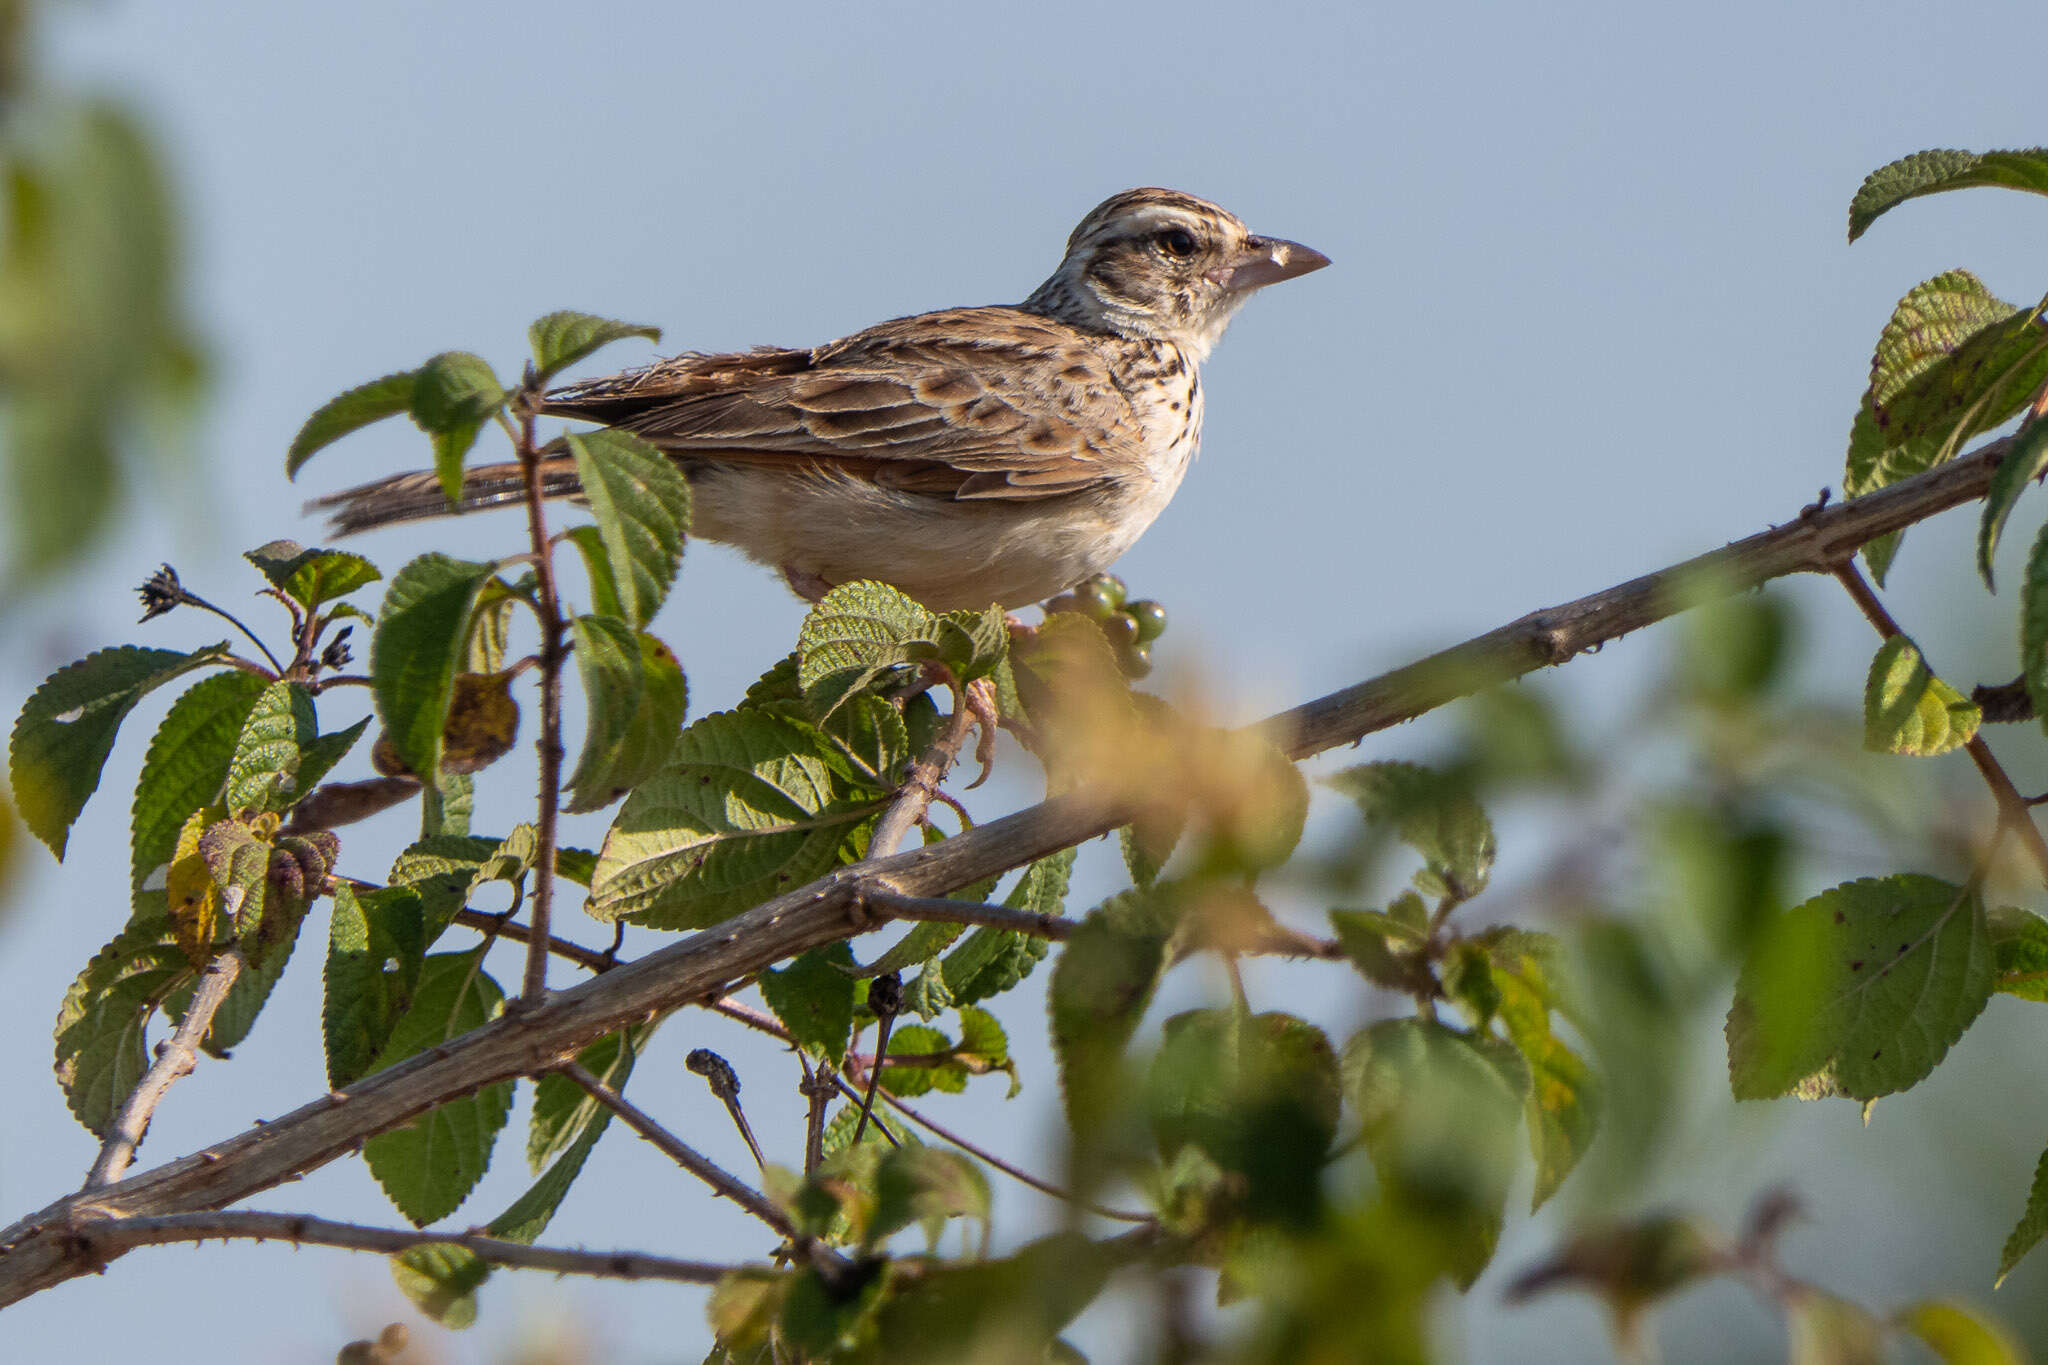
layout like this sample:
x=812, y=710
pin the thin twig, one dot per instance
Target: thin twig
x=551, y=654
x=898, y=906
x=491, y=922
x=816, y=1088
x=107, y=1237
x=2014, y=811
x=921, y=783
x=175, y=1058
x=681, y=1152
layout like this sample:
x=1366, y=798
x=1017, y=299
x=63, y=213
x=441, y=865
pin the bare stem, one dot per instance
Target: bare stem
x=921, y=783
x=506, y=927
x=2014, y=810
x=107, y=1237
x=175, y=1058
x=551, y=654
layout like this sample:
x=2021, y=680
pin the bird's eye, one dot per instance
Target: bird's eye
x=1177, y=242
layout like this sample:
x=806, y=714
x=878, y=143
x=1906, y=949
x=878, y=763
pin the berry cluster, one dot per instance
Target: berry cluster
x=1130, y=627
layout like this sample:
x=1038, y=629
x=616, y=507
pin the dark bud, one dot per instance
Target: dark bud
x=716, y=1071
x=885, y=995
x=161, y=593
x=336, y=654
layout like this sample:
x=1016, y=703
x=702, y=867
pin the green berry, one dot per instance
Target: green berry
x=1150, y=616
x=1137, y=660
x=1120, y=630
x=1095, y=600
x=1112, y=587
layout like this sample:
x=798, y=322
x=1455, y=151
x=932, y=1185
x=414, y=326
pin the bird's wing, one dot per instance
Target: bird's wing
x=970, y=403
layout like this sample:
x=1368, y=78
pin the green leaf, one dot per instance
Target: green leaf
x=813, y=997
x=2033, y=630
x=2025, y=462
x=1440, y=1116
x=928, y=1185
x=1907, y=710
x=1101, y=987
x=1871, y=981
x=186, y=768
x=453, y=395
x=915, y=1040
x=564, y=1113
x=1258, y=1094
x=642, y=505
x=1564, y=1094
x=629, y=738
x=858, y=632
x=1953, y=361
x=1372, y=940
x=871, y=741
x=338, y=416
x=597, y=565
x=320, y=755
x=236, y=1017
x=102, y=1043
x=263, y=775
x=1433, y=814
x=972, y=643
x=428, y=1166
x=1824, y=1330
x=2019, y=939
x=311, y=578
x=441, y=1280
x=1933, y=172
x=561, y=339
x=418, y=649
x=1958, y=1334
x=991, y=961
x=744, y=809
x=375, y=947
x=442, y=869
x=66, y=730
x=2025, y=1234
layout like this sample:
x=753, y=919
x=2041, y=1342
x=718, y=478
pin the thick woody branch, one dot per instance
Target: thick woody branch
x=175, y=1058
x=37, y=1253
x=106, y=1238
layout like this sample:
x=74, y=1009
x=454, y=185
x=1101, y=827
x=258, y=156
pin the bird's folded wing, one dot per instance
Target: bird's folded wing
x=972, y=403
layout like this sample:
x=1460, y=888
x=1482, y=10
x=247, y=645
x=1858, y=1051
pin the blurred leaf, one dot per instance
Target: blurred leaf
x=347, y=412
x=2033, y=628
x=186, y=768
x=417, y=650
x=375, y=948
x=1007, y=1309
x=1933, y=172
x=642, y=505
x=1432, y=814
x=561, y=339
x=1101, y=986
x=311, y=578
x=441, y=1280
x=429, y=1165
x=66, y=729
x=1826, y=1330
x=1907, y=710
x=2019, y=940
x=1376, y=944
x=1958, y=1334
x=927, y=1185
x=1628, y=1265
x=1734, y=648
x=1565, y=1095
x=858, y=632
x=2024, y=463
x=744, y=809
x=453, y=395
x=1874, y=979
x=102, y=1042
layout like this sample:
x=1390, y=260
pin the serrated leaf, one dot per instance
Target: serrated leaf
x=563, y=338
x=1101, y=986
x=856, y=633
x=236, y=1017
x=972, y=643
x=2025, y=1234
x=813, y=997
x=417, y=649
x=102, y=1039
x=1907, y=710
x=453, y=395
x=2033, y=628
x=992, y=961
x=313, y=577
x=1874, y=979
x=1933, y=172
x=442, y=869
x=744, y=809
x=263, y=775
x=2026, y=461
x=1958, y=1334
x=186, y=768
x=1439, y=1119
x=66, y=730
x=347, y=412
x=563, y=1111
x=374, y=951
x=1564, y=1094
x=428, y=1166
x=641, y=502
x=870, y=739
x=597, y=566
x=1432, y=814
x=636, y=699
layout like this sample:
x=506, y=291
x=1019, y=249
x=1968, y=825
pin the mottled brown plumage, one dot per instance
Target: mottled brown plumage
x=968, y=456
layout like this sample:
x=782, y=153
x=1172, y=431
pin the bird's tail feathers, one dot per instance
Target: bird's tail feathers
x=418, y=496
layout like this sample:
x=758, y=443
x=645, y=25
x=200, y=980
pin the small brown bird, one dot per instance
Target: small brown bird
x=967, y=456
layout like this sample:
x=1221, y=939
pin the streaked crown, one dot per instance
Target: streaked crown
x=1159, y=264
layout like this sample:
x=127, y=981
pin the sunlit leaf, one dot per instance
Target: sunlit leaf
x=417, y=650
x=347, y=412
x=1933, y=172
x=561, y=339
x=1907, y=710
x=642, y=505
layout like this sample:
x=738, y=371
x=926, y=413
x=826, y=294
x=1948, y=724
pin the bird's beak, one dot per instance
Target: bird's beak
x=1267, y=260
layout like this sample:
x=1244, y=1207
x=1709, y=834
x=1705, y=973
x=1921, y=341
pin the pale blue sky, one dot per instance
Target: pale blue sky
x=1591, y=310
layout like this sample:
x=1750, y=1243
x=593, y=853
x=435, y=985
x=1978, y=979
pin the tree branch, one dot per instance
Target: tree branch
x=175, y=1058
x=106, y=1238
x=35, y=1252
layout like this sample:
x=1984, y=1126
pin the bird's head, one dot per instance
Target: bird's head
x=1160, y=264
